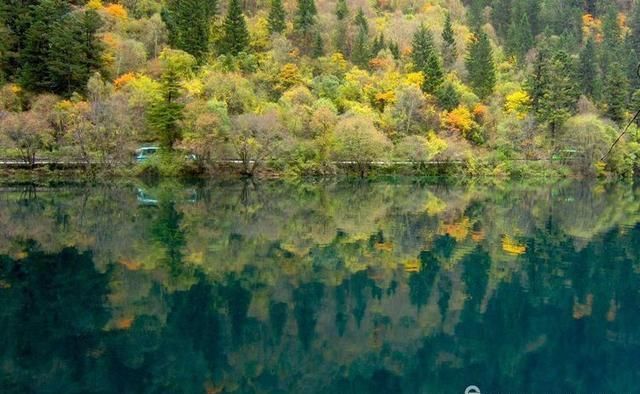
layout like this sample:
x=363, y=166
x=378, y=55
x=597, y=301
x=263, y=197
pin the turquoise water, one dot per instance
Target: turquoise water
x=325, y=287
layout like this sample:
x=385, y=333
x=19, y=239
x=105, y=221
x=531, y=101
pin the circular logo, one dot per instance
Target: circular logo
x=472, y=390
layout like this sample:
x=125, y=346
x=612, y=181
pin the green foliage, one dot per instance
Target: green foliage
x=189, y=23
x=616, y=93
x=449, y=49
x=552, y=88
x=588, y=70
x=165, y=115
x=305, y=18
x=480, y=66
x=61, y=49
x=277, y=14
x=425, y=59
x=236, y=35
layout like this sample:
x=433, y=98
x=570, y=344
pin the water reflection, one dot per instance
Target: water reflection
x=360, y=287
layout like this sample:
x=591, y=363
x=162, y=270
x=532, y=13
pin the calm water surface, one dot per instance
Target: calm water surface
x=327, y=287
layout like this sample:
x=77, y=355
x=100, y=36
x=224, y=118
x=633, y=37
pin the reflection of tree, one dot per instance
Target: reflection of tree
x=317, y=285
x=53, y=311
x=307, y=299
x=166, y=230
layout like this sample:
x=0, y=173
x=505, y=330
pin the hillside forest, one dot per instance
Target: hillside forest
x=502, y=87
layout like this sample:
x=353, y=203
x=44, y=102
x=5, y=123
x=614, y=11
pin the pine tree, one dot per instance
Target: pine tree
x=318, y=46
x=34, y=57
x=480, y=66
x=588, y=70
x=236, y=35
x=634, y=25
x=341, y=36
x=188, y=22
x=165, y=115
x=501, y=16
x=75, y=52
x=305, y=18
x=426, y=59
x=378, y=44
x=361, y=52
x=448, y=96
x=475, y=15
x=342, y=10
x=448, y=43
x=277, y=15
x=616, y=93
x=394, y=49
x=552, y=88
x=361, y=21
x=519, y=39
x=612, y=39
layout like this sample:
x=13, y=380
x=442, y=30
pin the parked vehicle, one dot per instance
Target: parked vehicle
x=142, y=154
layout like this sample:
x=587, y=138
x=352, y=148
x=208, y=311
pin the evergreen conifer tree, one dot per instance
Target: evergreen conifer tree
x=75, y=52
x=236, y=35
x=588, y=70
x=188, y=22
x=426, y=59
x=616, y=93
x=277, y=16
x=480, y=65
x=305, y=17
x=448, y=42
x=166, y=114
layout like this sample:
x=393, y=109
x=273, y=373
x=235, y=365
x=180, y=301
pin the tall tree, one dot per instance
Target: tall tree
x=616, y=93
x=189, y=23
x=341, y=36
x=519, y=39
x=277, y=15
x=305, y=18
x=361, y=52
x=378, y=44
x=426, y=60
x=165, y=115
x=448, y=42
x=318, y=46
x=236, y=35
x=634, y=25
x=588, y=74
x=34, y=56
x=552, y=88
x=480, y=65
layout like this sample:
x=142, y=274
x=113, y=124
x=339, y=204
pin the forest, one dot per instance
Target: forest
x=299, y=87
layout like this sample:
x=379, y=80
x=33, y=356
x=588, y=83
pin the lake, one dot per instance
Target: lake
x=337, y=286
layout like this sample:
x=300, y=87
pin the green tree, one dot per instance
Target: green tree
x=480, y=65
x=318, y=46
x=341, y=36
x=425, y=59
x=34, y=56
x=189, y=22
x=305, y=18
x=519, y=38
x=236, y=35
x=552, y=88
x=378, y=44
x=588, y=70
x=448, y=96
x=361, y=53
x=616, y=93
x=448, y=43
x=75, y=52
x=165, y=114
x=277, y=15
